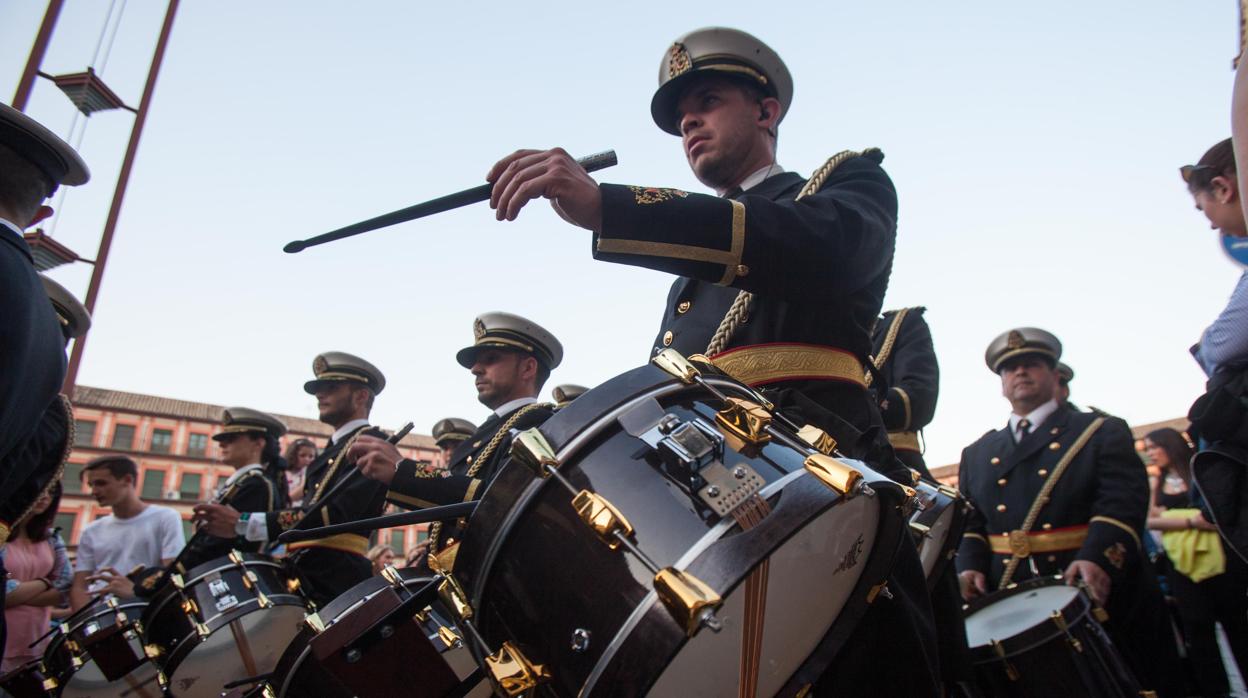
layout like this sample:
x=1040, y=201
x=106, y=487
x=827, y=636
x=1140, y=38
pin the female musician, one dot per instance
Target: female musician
x=1202, y=600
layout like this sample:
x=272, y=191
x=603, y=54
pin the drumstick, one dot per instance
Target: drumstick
x=442, y=513
x=591, y=163
x=341, y=485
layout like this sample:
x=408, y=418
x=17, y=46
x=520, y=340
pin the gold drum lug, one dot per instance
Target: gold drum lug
x=1010, y=671
x=50, y=685
x=818, y=439
x=189, y=606
x=745, y=420
x=454, y=597
x=1100, y=614
x=672, y=362
x=292, y=585
x=390, y=574
x=533, y=450
x=513, y=673
x=314, y=622
x=834, y=472
x=915, y=477
x=202, y=630
x=75, y=661
x=686, y=597
x=920, y=530
x=602, y=516
x=262, y=600
x=448, y=636
x=152, y=651
x=235, y=557
x=177, y=581
x=249, y=580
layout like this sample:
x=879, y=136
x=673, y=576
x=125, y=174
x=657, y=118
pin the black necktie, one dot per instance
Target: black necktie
x=1024, y=428
x=734, y=193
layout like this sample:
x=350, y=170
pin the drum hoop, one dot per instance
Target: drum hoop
x=154, y=610
x=573, y=446
x=643, y=607
x=1036, y=635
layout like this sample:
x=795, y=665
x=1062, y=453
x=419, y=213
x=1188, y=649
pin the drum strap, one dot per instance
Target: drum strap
x=749, y=514
x=1019, y=546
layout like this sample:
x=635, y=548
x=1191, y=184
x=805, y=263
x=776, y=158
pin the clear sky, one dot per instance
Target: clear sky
x=1034, y=147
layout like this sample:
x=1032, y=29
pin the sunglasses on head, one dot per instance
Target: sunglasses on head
x=1197, y=174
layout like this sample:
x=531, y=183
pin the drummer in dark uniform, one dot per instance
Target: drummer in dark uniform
x=903, y=356
x=1065, y=374
x=345, y=387
x=1081, y=476
x=33, y=163
x=511, y=357
x=780, y=278
x=449, y=433
x=566, y=393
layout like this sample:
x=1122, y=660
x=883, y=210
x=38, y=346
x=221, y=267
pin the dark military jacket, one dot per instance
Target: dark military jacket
x=1105, y=488
x=36, y=462
x=818, y=267
x=415, y=488
x=32, y=359
x=256, y=491
x=906, y=365
x=329, y=566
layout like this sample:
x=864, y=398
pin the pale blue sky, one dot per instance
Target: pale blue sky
x=1034, y=148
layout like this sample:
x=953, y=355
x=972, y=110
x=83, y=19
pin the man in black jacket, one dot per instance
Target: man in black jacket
x=1089, y=526
x=780, y=279
x=510, y=358
x=344, y=386
x=904, y=357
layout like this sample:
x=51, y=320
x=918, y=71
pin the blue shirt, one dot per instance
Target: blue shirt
x=1225, y=342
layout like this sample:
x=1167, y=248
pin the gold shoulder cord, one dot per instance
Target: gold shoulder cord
x=333, y=470
x=60, y=469
x=225, y=496
x=1043, y=498
x=741, y=306
x=435, y=531
x=890, y=338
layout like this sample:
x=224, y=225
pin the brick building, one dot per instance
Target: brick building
x=171, y=440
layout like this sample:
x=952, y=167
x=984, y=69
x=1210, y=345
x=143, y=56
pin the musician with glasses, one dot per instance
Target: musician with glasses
x=779, y=279
x=1062, y=492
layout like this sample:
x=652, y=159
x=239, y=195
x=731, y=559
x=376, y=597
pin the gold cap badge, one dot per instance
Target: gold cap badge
x=678, y=61
x=1015, y=340
x=320, y=365
x=478, y=328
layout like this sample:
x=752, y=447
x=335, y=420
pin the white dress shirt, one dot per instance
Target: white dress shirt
x=508, y=407
x=756, y=177
x=1036, y=417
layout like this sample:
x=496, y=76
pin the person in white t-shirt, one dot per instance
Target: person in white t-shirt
x=135, y=533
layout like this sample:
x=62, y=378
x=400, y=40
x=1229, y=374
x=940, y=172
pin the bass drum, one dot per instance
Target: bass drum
x=937, y=527
x=98, y=652
x=298, y=673
x=1038, y=639
x=794, y=561
x=228, y=619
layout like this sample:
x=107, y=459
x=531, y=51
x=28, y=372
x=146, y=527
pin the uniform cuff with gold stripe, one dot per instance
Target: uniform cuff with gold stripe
x=695, y=235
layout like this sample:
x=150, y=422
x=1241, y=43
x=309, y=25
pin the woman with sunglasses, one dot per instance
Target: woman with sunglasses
x=1213, y=185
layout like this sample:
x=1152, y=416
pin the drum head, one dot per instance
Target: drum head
x=1016, y=613
x=933, y=548
x=89, y=682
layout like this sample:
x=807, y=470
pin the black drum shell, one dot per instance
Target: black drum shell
x=514, y=558
x=58, y=658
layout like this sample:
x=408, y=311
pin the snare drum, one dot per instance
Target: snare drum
x=300, y=673
x=227, y=619
x=1039, y=639
x=768, y=550
x=937, y=527
x=98, y=652
x=28, y=681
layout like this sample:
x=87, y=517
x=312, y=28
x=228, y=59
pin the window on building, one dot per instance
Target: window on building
x=153, y=484
x=422, y=535
x=188, y=529
x=197, y=445
x=397, y=541
x=162, y=440
x=72, y=479
x=65, y=522
x=123, y=437
x=190, y=486
x=84, y=433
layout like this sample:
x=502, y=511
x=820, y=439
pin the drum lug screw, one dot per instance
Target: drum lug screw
x=707, y=619
x=712, y=491
x=580, y=640
x=738, y=472
x=353, y=656
x=386, y=631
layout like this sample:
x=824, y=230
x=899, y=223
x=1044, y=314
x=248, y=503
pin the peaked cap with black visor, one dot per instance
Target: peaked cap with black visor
x=719, y=51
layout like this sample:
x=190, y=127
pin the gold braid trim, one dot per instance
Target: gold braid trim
x=333, y=470
x=1043, y=497
x=268, y=485
x=741, y=305
x=60, y=468
x=890, y=338
x=435, y=531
